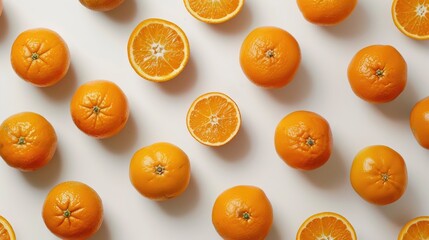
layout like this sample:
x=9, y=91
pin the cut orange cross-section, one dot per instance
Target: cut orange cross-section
x=158, y=50
x=326, y=225
x=210, y=11
x=411, y=17
x=416, y=229
x=213, y=119
x=6, y=231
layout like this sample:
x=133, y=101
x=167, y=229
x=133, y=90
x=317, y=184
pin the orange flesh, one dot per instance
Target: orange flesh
x=326, y=228
x=417, y=231
x=213, y=9
x=4, y=234
x=413, y=16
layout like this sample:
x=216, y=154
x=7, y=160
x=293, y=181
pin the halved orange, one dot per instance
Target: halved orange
x=411, y=17
x=6, y=230
x=158, y=50
x=210, y=11
x=415, y=229
x=213, y=119
x=326, y=225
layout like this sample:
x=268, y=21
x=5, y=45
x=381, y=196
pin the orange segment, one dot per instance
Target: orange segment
x=158, y=50
x=6, y=230
x=326, y=225
x=411, y=17
x=213, y=119
x=210, y=11
x=416, y=229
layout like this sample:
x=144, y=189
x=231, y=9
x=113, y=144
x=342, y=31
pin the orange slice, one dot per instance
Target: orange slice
x=213, y=119
x=326, y=225
x=416, y=229
x=210, y=11
x=411, y=17
x=158, y=50
x=6, y=230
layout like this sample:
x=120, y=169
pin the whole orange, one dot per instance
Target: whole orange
x=160, y=171
x=377, y=73
x=379, y=175
x=419, y=122
x=99, y=108
x=27, y=141
x=329, y=12
x=303, y=140
x=270, y=57
x=73, y=211
x=242, y=213
x=40, y=56
x=101, y=5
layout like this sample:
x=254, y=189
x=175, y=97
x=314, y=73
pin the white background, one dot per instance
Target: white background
x=97, y=43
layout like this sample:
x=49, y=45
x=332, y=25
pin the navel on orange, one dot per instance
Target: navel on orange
x=411, y=17
x=158, y=50
x=326, y=225
x=213, y=119
x=210, y=11
x=415, y=229
x=6, y=230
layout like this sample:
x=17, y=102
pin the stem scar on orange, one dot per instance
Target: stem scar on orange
x=415, y=229
x=326, y=12
x=210, y=11
x=411, y=17
x=419, y=122
x=6, y=230
x=101, y=5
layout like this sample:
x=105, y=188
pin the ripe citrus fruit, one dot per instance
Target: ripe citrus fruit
x=326, y=225
x=242, y=213
x=99, y=108
x=160, y=171
x=6, y=230
x=419, y=122
x=158, y=50
x=329, y=12
x=415, y=229
x=213, y=119
x=27, y=141
x=209, y=11
x=303, y=140
x=101, y=5
x=379, y=175
x=411, y=17
x=40, y=56
x=377, y=73
x=270, y=57
x=72, y=211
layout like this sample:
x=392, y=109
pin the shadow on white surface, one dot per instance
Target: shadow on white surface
x=64, y=89
x=126, y=12
x=124, y=141
x=4, y=26
x=183, y=82
x=274, y=233
x=103, y=233
x=241, y=22
x=237, y=149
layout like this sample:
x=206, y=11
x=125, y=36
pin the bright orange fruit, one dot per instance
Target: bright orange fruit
x=326, y=225
x=415, y=229
x=411, y=17
x=419, y=122
x=210, y=11
x=330, y=12
x=101, y=5
x=6, y=230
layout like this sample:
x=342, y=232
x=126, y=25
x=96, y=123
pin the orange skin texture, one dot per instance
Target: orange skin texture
x=40, y=56
x=101, y=5
x=270, y=57
x=326, y=12
x=99, y=109
x=160, y=171
x=27, y=141
x=379, y=175
x=303, y=140
x=83, y=205
x=229, y=209
x=419, y=122
x=371, y=85
x=415, y=229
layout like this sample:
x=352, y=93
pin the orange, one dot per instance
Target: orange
x=377, y=73
x=101, y=5
x=1, y=7
x=158, y=50
x=330, y=12
x=6, y=230
x=303, y=140
x=213, y=119
x=27, y=141
x=72, y=211
x=419, y=122
x=99, y=108
x=160, y=171
x=379, y=175
x=40, y=56
x=411, y=17
x=326, y=225
x=210, y=11
x=415, y=229
x=270, y=57
x=242, y=213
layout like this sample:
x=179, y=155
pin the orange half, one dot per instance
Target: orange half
x=326, y=225
x=416, y=229
x=6, y=230
x=213, y=119
x=158, y=50
x=411, y=17
x=210, y=11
